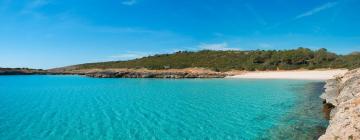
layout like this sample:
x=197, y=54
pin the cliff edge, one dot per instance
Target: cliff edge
x=342, y=102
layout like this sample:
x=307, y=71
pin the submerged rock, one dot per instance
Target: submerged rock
x=343, y=93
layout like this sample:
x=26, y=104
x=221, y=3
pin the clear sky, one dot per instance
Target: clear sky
x=54, y=33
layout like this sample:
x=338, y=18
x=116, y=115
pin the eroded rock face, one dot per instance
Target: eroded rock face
x=344, y=94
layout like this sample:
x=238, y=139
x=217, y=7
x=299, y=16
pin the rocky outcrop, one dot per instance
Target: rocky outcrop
x=342, y=97
x=154, y=74
x=21, y=71
x=176, y=75
x=120, y=73
x=145, y=73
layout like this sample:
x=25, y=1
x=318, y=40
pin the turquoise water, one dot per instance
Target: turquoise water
x=75, y=107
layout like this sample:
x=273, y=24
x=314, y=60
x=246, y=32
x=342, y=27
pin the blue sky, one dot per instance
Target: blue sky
x=55, y=33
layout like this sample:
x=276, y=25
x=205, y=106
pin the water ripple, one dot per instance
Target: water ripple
x=71, y=107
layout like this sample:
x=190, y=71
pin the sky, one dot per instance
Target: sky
x=54, y=33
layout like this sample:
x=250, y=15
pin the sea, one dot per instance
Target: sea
x=45, y=107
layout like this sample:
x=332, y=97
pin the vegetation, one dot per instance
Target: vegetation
x=239, y=60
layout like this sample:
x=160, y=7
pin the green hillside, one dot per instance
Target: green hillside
x=239, y=60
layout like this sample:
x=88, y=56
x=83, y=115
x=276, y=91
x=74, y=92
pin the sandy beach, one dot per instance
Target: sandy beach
x=296, y=74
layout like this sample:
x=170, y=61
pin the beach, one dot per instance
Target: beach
x=295, y=74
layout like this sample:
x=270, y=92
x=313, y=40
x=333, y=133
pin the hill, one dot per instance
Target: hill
x=301, y=58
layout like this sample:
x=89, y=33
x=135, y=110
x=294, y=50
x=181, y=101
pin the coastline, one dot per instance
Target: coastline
x=319, y=74
x=342, y=106
x=341, y=98
x=293, y=74
x=233, y=105
x=144, y=73
x=21, y=71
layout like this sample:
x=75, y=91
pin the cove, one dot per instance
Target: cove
x=76, y=107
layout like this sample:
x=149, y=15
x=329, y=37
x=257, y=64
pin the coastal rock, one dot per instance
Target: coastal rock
x=175, y=74
x=344, y=94
x=331, y=91
x=120, y=73
x=21, y=71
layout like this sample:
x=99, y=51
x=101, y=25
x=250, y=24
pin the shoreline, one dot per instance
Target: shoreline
x=342, y=106
x=292, y=74
x=341, y=97
x=318, y=74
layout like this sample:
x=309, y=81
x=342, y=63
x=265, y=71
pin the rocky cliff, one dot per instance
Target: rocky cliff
x=342, y=102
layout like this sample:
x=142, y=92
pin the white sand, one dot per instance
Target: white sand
x=298, y=74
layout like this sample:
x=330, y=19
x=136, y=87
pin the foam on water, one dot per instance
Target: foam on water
x=74, y=107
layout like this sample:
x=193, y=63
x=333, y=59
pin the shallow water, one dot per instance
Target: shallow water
x=75, y=107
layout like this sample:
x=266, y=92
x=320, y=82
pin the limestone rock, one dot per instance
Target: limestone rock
x=344, y=93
